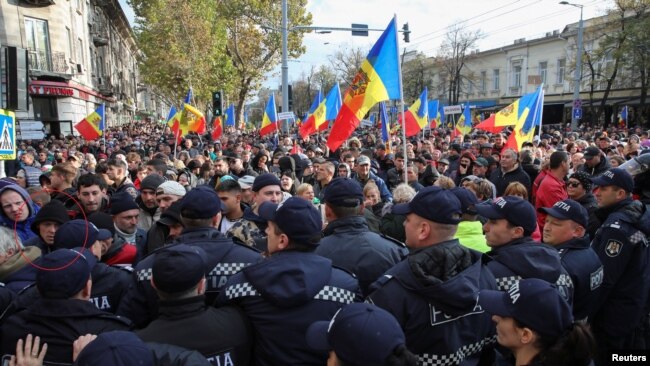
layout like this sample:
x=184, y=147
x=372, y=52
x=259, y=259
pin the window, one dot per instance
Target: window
x=80, y=51
x=38, y=43
x=516, y=75
x=561, y=67
x=495, y=79
x=543, y=66
x=68, y=36
x=483, y=82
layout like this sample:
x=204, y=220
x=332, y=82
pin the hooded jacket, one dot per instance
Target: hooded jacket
x=225, y=257
x=18, y=272
x=23, y=228
x=349, y=244
x=523, y=258
x=433, y=294
x=621, y=243
x=282, y=296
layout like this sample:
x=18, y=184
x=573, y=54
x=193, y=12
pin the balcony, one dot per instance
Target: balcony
x=100, y=40
x=39, y=3
x=41, y=61
x=104, y=86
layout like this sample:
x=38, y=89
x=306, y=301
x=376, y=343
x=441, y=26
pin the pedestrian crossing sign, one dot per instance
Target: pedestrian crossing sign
x=7, y=135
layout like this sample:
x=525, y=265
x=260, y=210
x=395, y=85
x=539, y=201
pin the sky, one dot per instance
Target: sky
x=501, y=21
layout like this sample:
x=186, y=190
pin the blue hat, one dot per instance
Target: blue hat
x=296, y=217
x=467, y=199
x=116, y=348
x=615, y=177
x=433, y=203
x=266, y=179
x=568, y=210
x=526, y=301
x=64, y=272
x=202, y=202
x=343, y=192
x=121, y=202
x=79, y=233
x=178, y=268
x=359, y=333
x=516, y=210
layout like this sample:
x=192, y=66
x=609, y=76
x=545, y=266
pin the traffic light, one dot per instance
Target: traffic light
x=217, y=104
x=407, y=33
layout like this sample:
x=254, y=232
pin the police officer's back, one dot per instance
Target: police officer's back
x=622, y=245
x=200, y=213
x=292, y=288
x=565, y=230
x=348, y=242
x=511, y=221
x=222, y=335
x=64, y=312
x=433, y=292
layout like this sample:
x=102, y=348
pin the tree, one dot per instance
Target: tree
x=416, y=74
x=182, y=51
x=346, y=62
x=254, y=43
x=453, y=55
x=638, y=61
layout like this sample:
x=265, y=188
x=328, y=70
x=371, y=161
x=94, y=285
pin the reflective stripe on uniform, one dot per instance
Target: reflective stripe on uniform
x=327, y=293
x=427, y=359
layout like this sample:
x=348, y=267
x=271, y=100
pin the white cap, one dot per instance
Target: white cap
x=171, y=187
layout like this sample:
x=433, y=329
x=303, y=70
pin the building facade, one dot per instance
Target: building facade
x=81, y=54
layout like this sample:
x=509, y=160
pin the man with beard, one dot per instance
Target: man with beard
x=127, y=234
x=149, y=210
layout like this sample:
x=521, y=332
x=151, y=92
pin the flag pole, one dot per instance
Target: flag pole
x=105, y=124
x=540, y=107
x=401, y=97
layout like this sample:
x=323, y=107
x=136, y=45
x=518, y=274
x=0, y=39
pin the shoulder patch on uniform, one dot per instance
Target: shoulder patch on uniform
x=596, y=278
x=393, y=240
x=613, y=248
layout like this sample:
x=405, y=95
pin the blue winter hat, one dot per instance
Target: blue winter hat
x=296, y=217
x=615, y=177
x=116, y=348
x=178, y=268
x=64, y=272
x=434, y=204
x=263, y=180
x=467, y=199
x=343, y=192
x=359, y=333
x=568, y=210
x=202, y=202
x=515, y=210
x=79, y=233
x=534, y=303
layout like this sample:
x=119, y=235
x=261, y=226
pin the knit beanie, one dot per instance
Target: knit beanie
x=53, y=211
x=583, y=178
x=121, y=202
x=151, y=181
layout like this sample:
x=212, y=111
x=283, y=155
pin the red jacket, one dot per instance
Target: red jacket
x=550, y=191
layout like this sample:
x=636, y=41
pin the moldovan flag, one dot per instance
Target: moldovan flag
x=377, y=81
x=217, y=129
x=508, y=116
x=622, y=117
x=326, y=110
x=531, y=117
x=464, y=125
x=192, y=120
x=230, y=115
x=436, y=113
x=307, y=127
x=90, y=127
x=270, y=118
x=385, y=125
x=417, y=117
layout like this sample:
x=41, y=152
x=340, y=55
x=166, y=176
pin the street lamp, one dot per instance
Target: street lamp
x=578, y=73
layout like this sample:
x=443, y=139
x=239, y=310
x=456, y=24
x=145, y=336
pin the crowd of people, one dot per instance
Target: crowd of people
x=140, y=249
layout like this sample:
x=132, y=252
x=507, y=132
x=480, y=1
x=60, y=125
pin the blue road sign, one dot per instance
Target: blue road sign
x=7, y=135
x=577, y=113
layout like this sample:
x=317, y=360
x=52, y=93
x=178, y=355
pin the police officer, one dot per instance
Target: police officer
x=433, y=292
x=622, y=245
x=222, y=335
x=200, y=214
x=565, y=230
x=251, y=229
x=109, y=282
x=64, y=312
x=348, y=242
x=511, y=221
x=293, y=288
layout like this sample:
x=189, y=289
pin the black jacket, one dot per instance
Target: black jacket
x=501, y=180
x=352, y=246
x=58, y=323
x=588, y=201
x=109, y=285
x=224, y=335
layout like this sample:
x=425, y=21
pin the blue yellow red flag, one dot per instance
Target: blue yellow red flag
x=90, y=127
x=531, y=107
x=464, y=124
x=270, y=118
x=417, y=116
x=376, y=81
